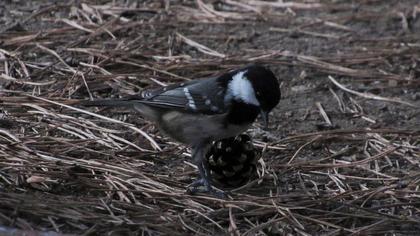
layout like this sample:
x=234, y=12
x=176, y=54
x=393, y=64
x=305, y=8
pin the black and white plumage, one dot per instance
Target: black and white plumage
x=201, y=111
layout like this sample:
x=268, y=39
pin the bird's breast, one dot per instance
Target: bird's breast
x=194, y=128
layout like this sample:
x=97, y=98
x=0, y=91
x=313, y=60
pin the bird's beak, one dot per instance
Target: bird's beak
x=264, y=116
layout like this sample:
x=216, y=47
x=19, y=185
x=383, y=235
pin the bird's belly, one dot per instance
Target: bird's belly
x=193, y=129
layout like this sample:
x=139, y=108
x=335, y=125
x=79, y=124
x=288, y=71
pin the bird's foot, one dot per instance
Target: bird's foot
x=203, y=186
x=198, y=183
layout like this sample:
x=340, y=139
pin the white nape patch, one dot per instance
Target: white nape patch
x=191, y=102
x=241, y=88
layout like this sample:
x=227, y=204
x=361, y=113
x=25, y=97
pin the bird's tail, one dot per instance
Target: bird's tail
x=106, y=102
x=140, y=107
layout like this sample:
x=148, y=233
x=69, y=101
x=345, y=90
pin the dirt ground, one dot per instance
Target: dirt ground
x=341, y=156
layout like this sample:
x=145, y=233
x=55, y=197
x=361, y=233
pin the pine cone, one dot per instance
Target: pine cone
x=232, y=161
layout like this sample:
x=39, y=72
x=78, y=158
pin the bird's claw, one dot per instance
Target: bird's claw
x=198, y=183
x=195, y=188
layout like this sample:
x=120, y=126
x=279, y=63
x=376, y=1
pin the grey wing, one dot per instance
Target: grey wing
x=198, y=96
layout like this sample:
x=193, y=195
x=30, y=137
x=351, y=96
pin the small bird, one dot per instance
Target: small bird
x=201, y=111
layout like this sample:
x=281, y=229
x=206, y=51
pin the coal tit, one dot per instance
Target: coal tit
x=201, y=111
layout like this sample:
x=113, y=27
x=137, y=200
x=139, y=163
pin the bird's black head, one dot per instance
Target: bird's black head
x=266, y=86
x=251, y=89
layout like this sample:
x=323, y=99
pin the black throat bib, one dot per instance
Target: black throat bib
x=242, y=113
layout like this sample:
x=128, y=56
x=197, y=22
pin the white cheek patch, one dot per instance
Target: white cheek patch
x=241, y=88
x=191, y=102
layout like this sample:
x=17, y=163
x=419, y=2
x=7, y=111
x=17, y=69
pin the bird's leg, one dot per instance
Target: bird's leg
x=203, y=180
x=198, y=156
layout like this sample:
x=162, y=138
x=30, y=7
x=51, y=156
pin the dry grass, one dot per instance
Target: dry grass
x=70, y=170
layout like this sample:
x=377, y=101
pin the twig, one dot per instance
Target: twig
x=200, y=47
x=371, y=96
x=323, y=113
